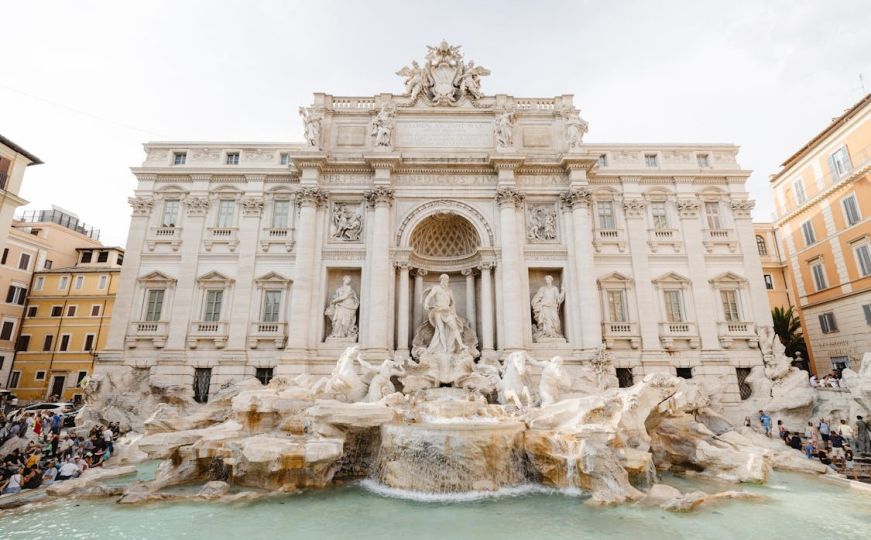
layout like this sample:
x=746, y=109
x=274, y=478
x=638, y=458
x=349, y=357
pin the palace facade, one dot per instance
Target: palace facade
x=240, y=255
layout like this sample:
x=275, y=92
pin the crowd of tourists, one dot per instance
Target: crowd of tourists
x=40, y=452
x=832, y=380
x=834, y=445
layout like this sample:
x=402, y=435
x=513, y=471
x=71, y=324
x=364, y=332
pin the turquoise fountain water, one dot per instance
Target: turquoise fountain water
x=798, y=507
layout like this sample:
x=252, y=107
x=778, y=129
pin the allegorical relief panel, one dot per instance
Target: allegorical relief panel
x=346, y=222
x=541, y=224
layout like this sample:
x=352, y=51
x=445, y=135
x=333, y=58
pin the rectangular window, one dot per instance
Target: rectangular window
x=39, y=375
x=271, y=306
x=285, y=158
x=232, y=158
x=226, y=209
x=89, y=342
x=704, y=160
x=31, y=311
x=47, y=264
x=16, y=295
x=660, y=217
x=56, y=311
x=798, y=187
x=819, y=275
x=684, y=372
x=39, y=283
x=47, y=342
x=712, y=214
x=6, y=330
x=729, y=299
x=71, y=311
x=214, y=297
x=651, y=160
x=95, y=310
x=769, y=282
x=807, y=229
x=840, y=363
x=103, y=256
x=674, y=306
x=867, y=310
x=179, y=158
x=102, y=283
x=171, y=209
x=264, y=375
x=153, y=304
x=603, y=160
x=13, y=381
x=2, y=361
x=24, y=261
x=64, y=342
x=5, y=256
x=606, y=214
x=761, y=247
x=86, y=256
x=81, y=376
x=827, y=323
x=624, y=377
x=63, y=283
x=280, y=214
x=23, y=343
x=202, y=382
x=80, y=281
x=839, y=163
x=617, y=306
x=851, y=210
x=863, y=259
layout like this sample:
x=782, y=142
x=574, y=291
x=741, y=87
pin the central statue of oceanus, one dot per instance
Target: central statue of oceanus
x=441, y=313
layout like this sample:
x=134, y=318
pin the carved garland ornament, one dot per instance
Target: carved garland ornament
x=580, y=197
x=311, y=196
x=252, y=206
x=742, y=209
x=634, y=207
x=688, y=208
x=196, y=206
x=141, y=205
x=379, y=196
x=509, y=196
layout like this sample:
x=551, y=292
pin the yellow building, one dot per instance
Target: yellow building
x=66, y=322
x=774, y=271
x=822, y=198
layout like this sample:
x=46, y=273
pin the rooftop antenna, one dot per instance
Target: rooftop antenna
x=862, y=85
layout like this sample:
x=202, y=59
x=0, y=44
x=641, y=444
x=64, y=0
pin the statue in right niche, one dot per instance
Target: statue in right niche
x=545, y=312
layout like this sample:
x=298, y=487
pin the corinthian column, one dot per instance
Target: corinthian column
x=470, y=298
x=381, y=278
x=309, y=198
x=417, y=308
x=514, y=306
x=591, y=329
x=402, y=316
x=486, y=307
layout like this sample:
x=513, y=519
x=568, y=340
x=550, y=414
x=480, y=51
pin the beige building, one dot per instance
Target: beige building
x=774, y=271
x=822, y=198
x=40, y=240
x=13, y=161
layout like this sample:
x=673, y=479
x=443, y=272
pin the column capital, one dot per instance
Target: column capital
x=402, y=265
x=506, y=196
x=311, y=196
x=196, y=206
x=420, y=272
x=468, y=272
x=141, y=205
x=486, y=265
x=379, y=196
x=576, y=198
x=688, y=208
x=634, y=207
x=742, y=209
x=252, y=206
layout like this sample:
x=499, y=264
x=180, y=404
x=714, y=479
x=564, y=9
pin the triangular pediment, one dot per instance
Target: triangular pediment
x=157, y=277
x=272, y=277
x=671, y=277
x=615, y=277
x=214, y=277
x=728, y=277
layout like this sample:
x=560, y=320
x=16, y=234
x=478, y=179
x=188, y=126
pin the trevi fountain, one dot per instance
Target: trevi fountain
x=528, y=435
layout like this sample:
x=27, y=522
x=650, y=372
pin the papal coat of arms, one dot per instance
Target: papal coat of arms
x=444, y=79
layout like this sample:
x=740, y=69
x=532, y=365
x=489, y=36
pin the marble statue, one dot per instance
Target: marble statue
x=554, y=380
x=545, y=311
x=417, y=80
x=444, y=79
x=438, y=302
x=542, y=223
x=504, y=129
x=342, y=312
x=382, y=127
x=468, y=79
x=576, y=127
x=347, y=223
x=514, y=387
x=312, y=123
x=381, y=385
x=863, y=436
x=343, y=382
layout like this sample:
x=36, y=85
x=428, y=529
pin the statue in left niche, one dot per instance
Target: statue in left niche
x=342, y=311
x=311, y=119
x=382, y=127
x=545, y=311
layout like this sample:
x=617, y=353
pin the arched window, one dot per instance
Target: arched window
x=760, y=245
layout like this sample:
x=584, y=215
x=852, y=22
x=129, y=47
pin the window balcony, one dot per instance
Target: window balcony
x=612, y=332
x=222, y=235
x=658, y=238
x=154, y=331
x=276, y=235
x=605, y=237
x=720, y=237
x=267, y=331
x=732, y=330
x=164, y=235
x=214, y=331
x=672, y=332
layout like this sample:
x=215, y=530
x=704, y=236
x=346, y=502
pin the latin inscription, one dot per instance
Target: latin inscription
x=444, y=134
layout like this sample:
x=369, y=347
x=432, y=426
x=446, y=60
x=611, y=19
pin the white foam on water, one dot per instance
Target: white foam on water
x=468, y=496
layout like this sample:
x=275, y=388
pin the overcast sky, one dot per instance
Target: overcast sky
x=84, y=83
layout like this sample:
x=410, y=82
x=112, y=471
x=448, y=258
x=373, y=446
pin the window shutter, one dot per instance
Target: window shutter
x=847, y=163
x=867, y=309
x=832, y=169
x=10, y=294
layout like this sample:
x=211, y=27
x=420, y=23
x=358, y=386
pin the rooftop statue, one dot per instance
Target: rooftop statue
x=444, y=78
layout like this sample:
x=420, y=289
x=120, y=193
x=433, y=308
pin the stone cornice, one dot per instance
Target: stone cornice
x=571, y=162
x=309, y=160
x=506, y=162
x=385, y=160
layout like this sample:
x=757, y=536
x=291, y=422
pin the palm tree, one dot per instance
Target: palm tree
x=787, y=326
